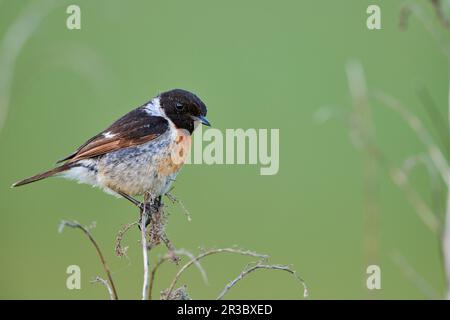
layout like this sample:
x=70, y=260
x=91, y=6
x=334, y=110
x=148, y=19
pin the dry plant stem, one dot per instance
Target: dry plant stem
x=364, y=130
x=446, y=244
x=424, y=136
x=262, y=266
x=153, y=273
x=120, y=251
x=174, y=199
x=448, y=97
x=400, y=177
x=446, y=231
x=413, y=9
x=169, y=257
x=414, y=277
x=170, y=248
x=436, y=190
x=76, y=225
x=437, y=5
x=438, y=159
x=207, y=253
x=438, y=120
x=196, y=263
x=145, y=286
x=106, y=284
x=429, y=219
x=144, y=217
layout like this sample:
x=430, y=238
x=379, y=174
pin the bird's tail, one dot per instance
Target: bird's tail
x=42, y=175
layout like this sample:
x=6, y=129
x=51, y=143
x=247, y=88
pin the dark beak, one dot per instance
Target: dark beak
x=203, y=120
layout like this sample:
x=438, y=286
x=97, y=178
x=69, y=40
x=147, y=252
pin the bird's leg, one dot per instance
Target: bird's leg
x=149, y=206
x=157, y=203
x=137, y=203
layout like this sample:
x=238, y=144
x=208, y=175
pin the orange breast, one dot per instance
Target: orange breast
x=179, y=151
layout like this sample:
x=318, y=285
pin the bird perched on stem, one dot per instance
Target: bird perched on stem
x=141, y=153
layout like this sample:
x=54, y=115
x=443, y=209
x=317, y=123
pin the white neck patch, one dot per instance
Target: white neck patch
x=153, y=108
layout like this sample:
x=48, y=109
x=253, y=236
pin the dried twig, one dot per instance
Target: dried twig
x=429, y=219
x=174, y=199
x=106, y=284
x=153, y=273
x=414, y=277
x=196, y=263
x=171, y=251
x=400, y=175
x=424, y=136
x=446, y=231
x=177, y=294
x=121, y=251
x=210, y=252
x=446, y=243
x=76, y=225
x=263, y=266
x=412, y=9
x=167, y=257
x=364, y=131
x=423, y=158
x=437, y=5
x=144, y=218
x=437, y=119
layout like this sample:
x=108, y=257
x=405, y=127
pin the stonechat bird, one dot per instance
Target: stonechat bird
x=141, y=153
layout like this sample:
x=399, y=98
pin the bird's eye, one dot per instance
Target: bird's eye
x=179, y=107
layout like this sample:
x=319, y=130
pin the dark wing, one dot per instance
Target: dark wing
x=136, y=127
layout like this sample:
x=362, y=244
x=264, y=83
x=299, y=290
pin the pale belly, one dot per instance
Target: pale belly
x=151, y=167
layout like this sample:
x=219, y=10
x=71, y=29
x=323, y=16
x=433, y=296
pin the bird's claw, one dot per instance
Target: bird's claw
x=149, y=209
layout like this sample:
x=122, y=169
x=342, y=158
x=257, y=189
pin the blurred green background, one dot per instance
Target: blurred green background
x=256, y=64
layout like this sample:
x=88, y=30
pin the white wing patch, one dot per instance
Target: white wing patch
x=109, y=135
